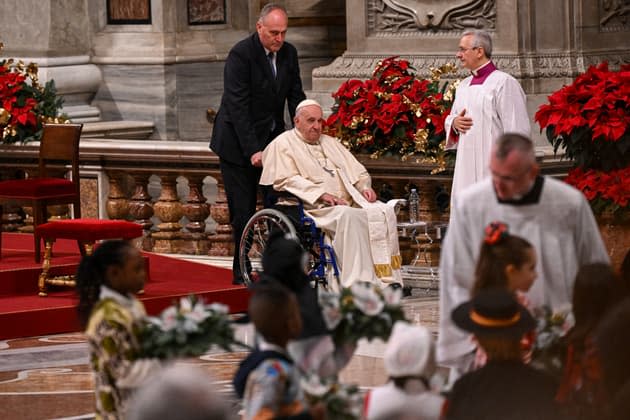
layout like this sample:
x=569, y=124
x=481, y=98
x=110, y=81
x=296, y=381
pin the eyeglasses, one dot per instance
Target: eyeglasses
x=463, y=50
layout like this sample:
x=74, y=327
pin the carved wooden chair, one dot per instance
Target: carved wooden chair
x=59, y=148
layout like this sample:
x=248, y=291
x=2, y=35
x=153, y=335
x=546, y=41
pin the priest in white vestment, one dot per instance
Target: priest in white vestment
x=336, y=192
x=552, y=215
x=487, y=104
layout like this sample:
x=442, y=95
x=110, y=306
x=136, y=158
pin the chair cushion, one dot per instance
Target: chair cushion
x=89, y=229
x=36, y=188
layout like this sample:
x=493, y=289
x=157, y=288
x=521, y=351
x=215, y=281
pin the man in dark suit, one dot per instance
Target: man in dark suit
x=261, y=74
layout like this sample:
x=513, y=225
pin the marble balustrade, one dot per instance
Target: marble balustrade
x=174, y=190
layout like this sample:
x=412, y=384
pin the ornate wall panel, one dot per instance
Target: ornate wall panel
x=614, y=15
x=390, y=17
x=521, y=66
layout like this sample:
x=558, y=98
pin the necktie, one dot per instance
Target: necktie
x=271, y=63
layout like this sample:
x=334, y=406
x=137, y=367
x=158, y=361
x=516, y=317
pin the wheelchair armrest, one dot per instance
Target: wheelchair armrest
x=284, y=195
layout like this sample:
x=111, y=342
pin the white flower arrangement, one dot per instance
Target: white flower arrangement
x=362, y=311
x=187, y=328
x=549, y=349
x=342, y=402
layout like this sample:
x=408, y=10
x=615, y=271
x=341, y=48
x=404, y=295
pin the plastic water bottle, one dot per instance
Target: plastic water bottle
x=414, y=203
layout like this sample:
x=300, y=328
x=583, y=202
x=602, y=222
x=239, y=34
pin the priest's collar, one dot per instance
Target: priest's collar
x=532, y=197
x=481, y=74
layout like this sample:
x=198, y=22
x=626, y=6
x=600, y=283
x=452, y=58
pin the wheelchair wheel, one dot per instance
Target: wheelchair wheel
x=254, y=240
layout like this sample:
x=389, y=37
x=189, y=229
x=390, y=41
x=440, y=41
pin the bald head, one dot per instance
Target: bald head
x=272, y=27
x=513, y=166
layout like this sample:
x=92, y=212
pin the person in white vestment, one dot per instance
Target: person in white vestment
x=487, y=104
x=552, y=215
x=336, y=191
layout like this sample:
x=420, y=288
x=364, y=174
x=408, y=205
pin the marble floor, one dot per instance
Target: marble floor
x=48, y=377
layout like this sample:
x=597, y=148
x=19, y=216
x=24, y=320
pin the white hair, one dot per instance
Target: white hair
x=481, y=39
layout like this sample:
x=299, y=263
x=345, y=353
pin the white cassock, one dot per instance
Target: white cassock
x=365, y=237
x=561, y=228
x=496, y=106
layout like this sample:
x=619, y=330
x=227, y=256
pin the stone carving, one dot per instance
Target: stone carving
x=614, y=15
x=520, y=66
x=395, y=16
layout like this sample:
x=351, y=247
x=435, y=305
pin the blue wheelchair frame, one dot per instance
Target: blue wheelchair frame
x=295, y=224
x=325, y=256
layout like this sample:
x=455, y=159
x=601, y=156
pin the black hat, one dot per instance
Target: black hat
x=284, y=260
x=493, y=312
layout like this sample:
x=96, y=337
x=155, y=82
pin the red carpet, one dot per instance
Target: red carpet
x=24, y=314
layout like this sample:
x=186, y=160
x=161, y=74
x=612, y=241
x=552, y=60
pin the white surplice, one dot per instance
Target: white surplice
x=561, y=227
x=496, y=106
x=365, y=236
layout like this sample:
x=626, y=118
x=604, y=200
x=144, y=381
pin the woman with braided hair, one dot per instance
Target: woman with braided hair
x=110, y=314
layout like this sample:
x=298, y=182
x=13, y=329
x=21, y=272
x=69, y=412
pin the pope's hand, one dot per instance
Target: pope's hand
x=256, y=159
x=331, y=200
x=369, y=194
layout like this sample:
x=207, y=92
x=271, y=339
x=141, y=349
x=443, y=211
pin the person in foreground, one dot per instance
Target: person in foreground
x=314, y=350
x=505, y=388
x=272, y=387
x=261, y=75
x=109, y=313
x=487, y=104
x=613, y=341
x=179, y=392
x=581, y=391
x=506, y=262
x=552, y=216
x=336, y=191
x=410, y=364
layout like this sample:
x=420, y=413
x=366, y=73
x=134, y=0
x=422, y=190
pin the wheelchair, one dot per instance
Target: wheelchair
x=321, y=265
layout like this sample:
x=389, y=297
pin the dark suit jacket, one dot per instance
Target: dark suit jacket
x=253, y=99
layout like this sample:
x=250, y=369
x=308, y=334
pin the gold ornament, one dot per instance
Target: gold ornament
x=9, y=131
x=5, y=116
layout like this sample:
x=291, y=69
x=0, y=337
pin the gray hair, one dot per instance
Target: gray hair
x=178, y=392
x=509, y=142
x=268, y=8
x=481, y=39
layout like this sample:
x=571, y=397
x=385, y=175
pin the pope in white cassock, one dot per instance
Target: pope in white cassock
x=487, y=104
x=553, y=216
x=336, y=191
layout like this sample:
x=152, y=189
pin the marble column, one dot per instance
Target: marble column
x=55, y=34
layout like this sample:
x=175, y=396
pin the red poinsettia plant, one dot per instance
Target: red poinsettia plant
x=590, y=120
x=394, y=112
x=24, y=104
